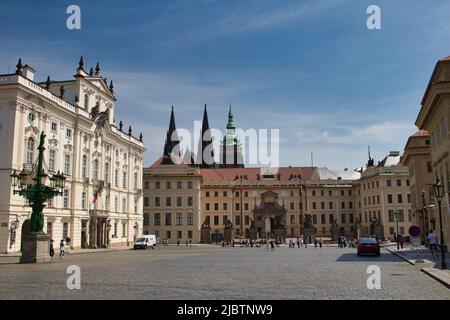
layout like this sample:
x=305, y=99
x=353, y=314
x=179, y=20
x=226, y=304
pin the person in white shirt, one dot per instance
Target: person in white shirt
x=433, y=242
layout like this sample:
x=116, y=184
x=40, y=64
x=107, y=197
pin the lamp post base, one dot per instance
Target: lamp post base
x=35, y=248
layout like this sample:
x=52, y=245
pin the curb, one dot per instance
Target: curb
x=431, y=274
x=429, y=271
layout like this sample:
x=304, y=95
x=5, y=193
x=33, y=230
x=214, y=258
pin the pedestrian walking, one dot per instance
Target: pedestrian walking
x=67, y=249
x=298, y=242
x=402, y=242
x=190, y=242
x=433, y=242
x=315, y=243
x=52, y=249
x=320, y=244
x=187, y=243
x=62, y=246
x=178, y=242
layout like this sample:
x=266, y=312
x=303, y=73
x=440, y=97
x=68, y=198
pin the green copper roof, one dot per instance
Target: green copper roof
x=230, y=124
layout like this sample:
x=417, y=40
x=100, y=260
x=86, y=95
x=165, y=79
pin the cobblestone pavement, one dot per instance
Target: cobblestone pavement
x=205, y=272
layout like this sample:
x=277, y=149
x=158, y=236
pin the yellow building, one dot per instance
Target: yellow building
x=434, y=117
x=417, y=157
x=209, y=202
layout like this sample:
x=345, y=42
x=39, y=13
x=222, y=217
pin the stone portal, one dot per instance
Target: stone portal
x=270, y=217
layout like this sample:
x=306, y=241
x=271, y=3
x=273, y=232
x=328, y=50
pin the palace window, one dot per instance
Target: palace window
x=189, y=185
x=146, y=219
x=179, y=201
x=124, y=180
x=179, y=185
x=225, y=206
x=157, y=185
x=146, y=185
x=190, y=201
x=30, y=150
x=106, y=172
x=179, y=219
x=146, y=201
x=86, y=101
x=54, y=127
x=116, y=177
x=190, y=219
x=168, y=201
x=124, y=229
x=157, y=219
x=216, y=220
x=84, y=166
x=69, y=133
x=95, y=170
x=135, y=180
x=67, y=164
x=66, y=199
x=51, y=159
x=168, y=220
x=83, y=200
x=168, y=185
x=124, y=205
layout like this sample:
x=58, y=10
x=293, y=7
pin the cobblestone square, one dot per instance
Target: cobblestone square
x=212, y=272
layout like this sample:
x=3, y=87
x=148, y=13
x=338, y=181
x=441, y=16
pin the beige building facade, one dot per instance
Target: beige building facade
x=434, y=117
x=417, y=157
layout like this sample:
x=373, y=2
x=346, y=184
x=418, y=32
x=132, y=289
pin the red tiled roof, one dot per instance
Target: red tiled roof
x=229, y=174
x=421, y=133
x=164, y=160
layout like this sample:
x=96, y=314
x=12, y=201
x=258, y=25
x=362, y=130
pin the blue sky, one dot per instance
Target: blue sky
x=310, y=68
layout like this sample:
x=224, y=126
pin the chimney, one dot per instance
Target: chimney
x=28, y=72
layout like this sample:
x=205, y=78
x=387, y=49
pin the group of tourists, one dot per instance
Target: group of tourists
x=64, y=247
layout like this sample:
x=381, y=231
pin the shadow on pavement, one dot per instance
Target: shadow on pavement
x=352, y=257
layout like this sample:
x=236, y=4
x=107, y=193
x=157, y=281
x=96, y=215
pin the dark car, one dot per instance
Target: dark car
x=368, y=246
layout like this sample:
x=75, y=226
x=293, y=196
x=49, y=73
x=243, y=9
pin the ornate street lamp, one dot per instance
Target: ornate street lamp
x=38, y=193
x=438, y=189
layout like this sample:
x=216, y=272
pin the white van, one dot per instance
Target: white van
x=145, y=241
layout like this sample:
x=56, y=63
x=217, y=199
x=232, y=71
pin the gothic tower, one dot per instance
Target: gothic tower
x=205, y=151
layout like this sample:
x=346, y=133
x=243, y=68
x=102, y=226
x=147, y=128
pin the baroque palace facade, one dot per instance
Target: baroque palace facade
x=101, y=205
x=210, y=202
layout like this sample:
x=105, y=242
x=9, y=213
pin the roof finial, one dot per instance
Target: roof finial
x=97, y=69
x=111, y=86
x=81, y=64
x=61, y=92
x=129, y=131
x=19, y=66
x=47, y=83
x=91, y=72
x=141, y=137
x=120, y=125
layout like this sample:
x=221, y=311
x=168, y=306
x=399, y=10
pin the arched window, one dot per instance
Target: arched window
x=84, y=166
x=30, y=150
x=95, y=170
x=106, y=172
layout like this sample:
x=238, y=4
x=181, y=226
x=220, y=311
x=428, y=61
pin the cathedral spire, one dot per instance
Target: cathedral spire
x=205, y=141
x=171, y=139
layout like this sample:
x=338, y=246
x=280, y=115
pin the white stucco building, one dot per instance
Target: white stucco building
x=84, y=142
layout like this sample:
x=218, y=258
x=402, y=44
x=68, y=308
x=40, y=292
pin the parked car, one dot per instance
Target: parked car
x=145, y=241
x=368, y=246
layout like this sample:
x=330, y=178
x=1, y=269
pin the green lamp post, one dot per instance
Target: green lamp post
x=37, y=193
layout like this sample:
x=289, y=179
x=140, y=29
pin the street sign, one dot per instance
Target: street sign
x=414, y=231
x=415, y=241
